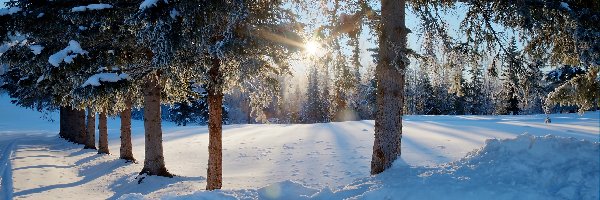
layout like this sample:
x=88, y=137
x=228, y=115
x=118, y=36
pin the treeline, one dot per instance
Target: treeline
x=509, y=83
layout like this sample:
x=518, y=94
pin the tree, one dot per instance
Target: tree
x=475, y=95
x=126, y=151
x=90, y=141
x=43, y=86
x=390, y=85
x=103, y=136
x=581, y=91
x=315, y=109
x=556, y=78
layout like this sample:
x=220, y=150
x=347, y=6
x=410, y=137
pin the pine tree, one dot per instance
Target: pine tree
x=90, y=141
x=475, y=95
x=390, y=85
x=510, y=94
x=581, y=91
x=126, y=149
x=45, y=87
x=103, y=134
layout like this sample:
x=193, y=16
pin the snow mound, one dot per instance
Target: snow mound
x=67, y=54
x=526, y=167
x=561, y=167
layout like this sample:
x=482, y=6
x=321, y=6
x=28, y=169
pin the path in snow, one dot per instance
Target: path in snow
x=317, y=155
x=6, y=182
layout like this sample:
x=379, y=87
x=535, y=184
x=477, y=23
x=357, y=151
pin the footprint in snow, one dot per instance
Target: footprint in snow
x=365, y=130
x=441, y=146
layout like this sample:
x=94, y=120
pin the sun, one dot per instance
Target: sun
x=312, y=48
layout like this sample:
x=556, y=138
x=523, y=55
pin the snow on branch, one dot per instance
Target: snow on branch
x=9, y=11
x=67, y=54
x=13, y=40
x=91, y=7
x=565, y=6
x=148, y=4
x=96, y=79
x=36, y=49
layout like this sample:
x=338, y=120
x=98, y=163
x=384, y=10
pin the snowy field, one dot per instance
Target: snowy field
x=320, y=161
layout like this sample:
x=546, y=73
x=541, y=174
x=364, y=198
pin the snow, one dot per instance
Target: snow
x=9, y=11
x=36, y=49
x=91, y=7
x=13, y=40
x=148, y=4
x=4, y=48
x=67, y=54
x=96, y=79
x=40, y=79
x=40, y=15
x=565, y=6
x=79, y=9
x=99, y=6
x=526, y=167
x=322, y=161
x=174, y=13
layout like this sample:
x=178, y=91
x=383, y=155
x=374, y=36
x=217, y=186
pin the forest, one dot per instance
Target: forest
x=222, y=63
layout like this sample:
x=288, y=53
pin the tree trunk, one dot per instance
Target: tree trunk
x=390, y=85
x=79, y=126
x=69, y=124
x=90, y=140
x=126, y=146
x=103, y=136
x=154, y=161
x=72, y=125
x=214, y=174
x=63, y=123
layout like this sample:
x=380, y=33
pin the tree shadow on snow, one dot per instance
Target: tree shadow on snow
x=129, y=184
x=90, y=173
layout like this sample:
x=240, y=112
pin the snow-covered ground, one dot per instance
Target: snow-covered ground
x=322, y=161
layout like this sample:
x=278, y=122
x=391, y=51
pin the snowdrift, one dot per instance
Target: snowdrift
x=526, y=167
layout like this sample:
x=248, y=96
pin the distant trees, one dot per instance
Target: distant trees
x=509, y=94
x=315, y=108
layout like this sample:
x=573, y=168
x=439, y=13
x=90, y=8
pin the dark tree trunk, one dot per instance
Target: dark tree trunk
x=69, y=125
x=79, y=126
x=63, y=122
x=214, y=174
x=90, y=140
x=390, y=85
x=103, y=136
x=154, y=161
x=126, y=146
x=71, y=129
